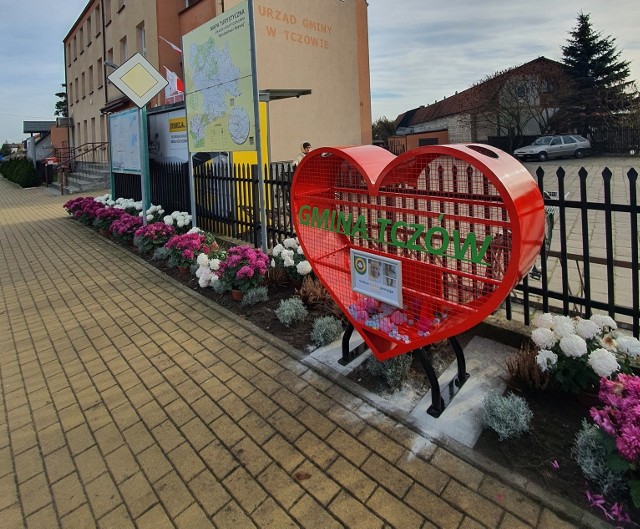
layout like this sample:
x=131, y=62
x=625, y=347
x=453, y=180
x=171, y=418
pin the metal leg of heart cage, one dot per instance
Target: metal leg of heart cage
x=439, y=401
x=349, y=355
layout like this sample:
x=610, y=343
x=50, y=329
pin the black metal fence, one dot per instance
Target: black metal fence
x=590, y=264
x=618, y=140
x=228, y=201
x=169, y=183
x=596, y=250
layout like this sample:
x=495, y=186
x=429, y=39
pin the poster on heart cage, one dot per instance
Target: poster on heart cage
x=377, y=277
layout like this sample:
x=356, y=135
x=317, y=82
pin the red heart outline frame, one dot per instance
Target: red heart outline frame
x=497, y=193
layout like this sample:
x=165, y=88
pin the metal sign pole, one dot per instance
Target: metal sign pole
x=144, y=163
x=192, y=192
x=256, y=111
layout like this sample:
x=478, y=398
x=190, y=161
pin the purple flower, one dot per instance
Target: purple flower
x=243, y=268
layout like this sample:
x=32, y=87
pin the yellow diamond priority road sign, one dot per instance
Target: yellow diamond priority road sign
x=138, y=80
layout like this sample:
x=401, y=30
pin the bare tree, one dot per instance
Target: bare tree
x=520, y=101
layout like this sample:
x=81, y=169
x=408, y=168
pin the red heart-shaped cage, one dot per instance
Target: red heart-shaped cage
x=420, y=247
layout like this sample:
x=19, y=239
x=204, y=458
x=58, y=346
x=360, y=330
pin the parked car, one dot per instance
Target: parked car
x=556, y=146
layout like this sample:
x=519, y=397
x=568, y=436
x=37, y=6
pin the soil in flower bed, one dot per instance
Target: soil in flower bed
x=557, y=418
x=440, y=354
x=262, y=314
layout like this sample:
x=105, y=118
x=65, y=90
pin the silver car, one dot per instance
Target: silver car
x=556, y=146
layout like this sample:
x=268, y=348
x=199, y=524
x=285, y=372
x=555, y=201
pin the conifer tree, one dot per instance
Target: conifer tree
x=61, y=104
x=602, y=95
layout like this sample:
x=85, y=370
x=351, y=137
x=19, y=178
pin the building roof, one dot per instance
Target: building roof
x=466, y=100
x=37, y=126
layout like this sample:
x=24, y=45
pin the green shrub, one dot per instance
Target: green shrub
x=290, y=311
x=255, y=295
x=326, y=330
x=591, y=455
x=21, y=171
x=508, y=416
x=395, y=370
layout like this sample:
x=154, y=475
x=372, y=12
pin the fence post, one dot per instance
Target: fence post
x=635, y=280
x=257, y=205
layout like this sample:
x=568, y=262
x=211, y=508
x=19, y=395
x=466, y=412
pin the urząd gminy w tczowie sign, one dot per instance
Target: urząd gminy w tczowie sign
x=420, y=247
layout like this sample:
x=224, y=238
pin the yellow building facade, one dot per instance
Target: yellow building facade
x=301, y=45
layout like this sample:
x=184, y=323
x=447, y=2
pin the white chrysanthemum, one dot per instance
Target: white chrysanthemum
x=303, y=268
x=558, y=318
x=214, y=264
x=573, y=345
x=168, y=220
x=546, y=359
x=277, y=250
x=290, y=243
x=273, y=263
x=203, y=259
x=195, y=230
x=299, y=250
x=199, y=272
x=544, y=338
x=204, y=281
x=603, y=321
x=180, y=222
x=544, y=321
x=629, y=345
x=603, y=362
x=289, y=262
x=587, y=329
x=564, y=328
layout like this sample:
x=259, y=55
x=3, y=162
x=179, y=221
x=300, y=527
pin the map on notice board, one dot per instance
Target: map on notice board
x=125, y=142
x=219, y=84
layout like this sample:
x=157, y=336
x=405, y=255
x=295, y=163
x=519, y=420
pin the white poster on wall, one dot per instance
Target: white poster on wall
x=168, y=136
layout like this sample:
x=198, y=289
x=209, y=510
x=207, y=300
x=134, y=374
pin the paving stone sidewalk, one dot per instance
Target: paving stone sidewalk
x=130, y=402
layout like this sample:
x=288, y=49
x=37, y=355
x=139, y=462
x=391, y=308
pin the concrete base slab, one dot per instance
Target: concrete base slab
x=331, y=353
x=460, y=420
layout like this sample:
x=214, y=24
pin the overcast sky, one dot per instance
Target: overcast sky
x=420, y=50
